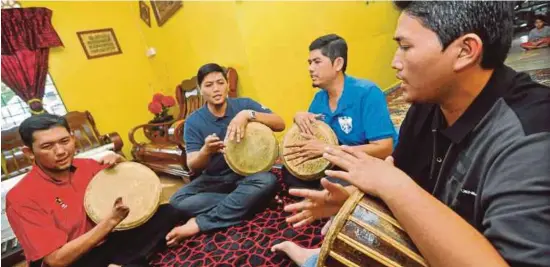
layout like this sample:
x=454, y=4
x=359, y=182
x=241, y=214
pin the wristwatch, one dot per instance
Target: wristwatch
x=252, y=116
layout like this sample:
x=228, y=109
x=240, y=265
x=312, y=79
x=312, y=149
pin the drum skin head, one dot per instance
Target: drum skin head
x=139, y=187
x=312, y=169
x=257, y=151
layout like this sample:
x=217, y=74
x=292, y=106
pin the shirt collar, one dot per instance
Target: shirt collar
x=344, y=100
x=211, y=116
x=43, y=175
x=495, y=88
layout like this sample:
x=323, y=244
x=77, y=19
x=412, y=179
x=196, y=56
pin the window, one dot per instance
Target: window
x=15, y=110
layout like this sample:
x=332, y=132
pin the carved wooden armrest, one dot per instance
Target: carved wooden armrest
x=175, y=133
x=164, y=125
x=114, y=138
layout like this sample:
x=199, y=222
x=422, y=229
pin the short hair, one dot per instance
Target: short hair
x=207, y=69
x=492, y=21
x=333, y=47
x=40, y=122
x=540, y=17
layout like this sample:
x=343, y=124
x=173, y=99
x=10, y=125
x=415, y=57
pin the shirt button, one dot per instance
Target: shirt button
x=439, y=159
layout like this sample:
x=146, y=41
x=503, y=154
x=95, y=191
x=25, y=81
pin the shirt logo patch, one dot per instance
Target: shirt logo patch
x=345, y=124
x=61, y=203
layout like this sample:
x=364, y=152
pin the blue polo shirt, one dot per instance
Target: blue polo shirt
x=202, y=123
x=361, y=116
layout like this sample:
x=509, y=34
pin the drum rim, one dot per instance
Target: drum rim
x=314, y=176
x=123, y=226
x=270, y=164
x=337, y=224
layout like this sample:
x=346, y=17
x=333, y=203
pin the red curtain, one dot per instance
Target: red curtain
x=27, y=35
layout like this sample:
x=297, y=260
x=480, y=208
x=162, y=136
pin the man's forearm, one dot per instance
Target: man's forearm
x=76, y=248
x=380, y=151
x=198, y=160
x=273, y=121
x=441, y=235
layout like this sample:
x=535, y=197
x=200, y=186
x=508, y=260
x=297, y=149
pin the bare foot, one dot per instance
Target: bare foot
x=296, y=253
x=114, y=265
x=326, y=227
x=179, y=233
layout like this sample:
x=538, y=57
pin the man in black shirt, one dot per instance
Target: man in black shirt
x=476, y=143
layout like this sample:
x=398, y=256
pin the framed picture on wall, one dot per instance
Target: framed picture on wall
x=99, y=43
x=145, y=13
x=163, y=10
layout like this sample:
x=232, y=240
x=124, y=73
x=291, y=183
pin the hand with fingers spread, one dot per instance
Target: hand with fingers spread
x=304, y=121
x=369, y=174
x=237, y=126
x=212, y=144
x=119, y=212
x=309, y=149
x=317, y=204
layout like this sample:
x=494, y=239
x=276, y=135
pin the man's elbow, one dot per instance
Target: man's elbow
x=279, y=126
x=53, y=260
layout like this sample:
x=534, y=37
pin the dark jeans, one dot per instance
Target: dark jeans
x=222, y=201
x=132, y=247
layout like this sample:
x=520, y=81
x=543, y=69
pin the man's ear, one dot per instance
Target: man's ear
x=470, y=51
x=338, y=63
x=27, y=151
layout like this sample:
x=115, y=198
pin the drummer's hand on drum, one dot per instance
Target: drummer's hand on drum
x=309, y=149
x=304, y=120
x=369, y=174
x=317, y=204
x=119, y=212
x=237, y=126
x=111, y=159
x=212, y=144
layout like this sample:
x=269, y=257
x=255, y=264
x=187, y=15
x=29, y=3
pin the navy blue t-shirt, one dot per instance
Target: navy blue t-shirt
x=202, y=123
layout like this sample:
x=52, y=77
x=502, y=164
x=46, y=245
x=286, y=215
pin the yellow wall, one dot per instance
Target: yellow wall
x=267, y=42
x=115, y=89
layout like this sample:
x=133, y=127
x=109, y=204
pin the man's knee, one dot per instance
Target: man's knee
x=267, y=179
x=177, y=200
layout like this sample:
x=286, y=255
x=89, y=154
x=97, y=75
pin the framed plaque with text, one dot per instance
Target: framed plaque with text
x=99, y=43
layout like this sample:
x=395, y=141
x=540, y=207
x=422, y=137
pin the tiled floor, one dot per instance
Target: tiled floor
x=522, y=60
x=170, y=184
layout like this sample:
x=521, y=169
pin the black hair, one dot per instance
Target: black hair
x=207, y=69
x=492, y=21
x=40, y=122
x=541, y=18
x=333, y=47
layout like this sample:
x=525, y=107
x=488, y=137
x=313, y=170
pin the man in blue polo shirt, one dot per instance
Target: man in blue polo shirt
x=355, y=109
x=219, y=197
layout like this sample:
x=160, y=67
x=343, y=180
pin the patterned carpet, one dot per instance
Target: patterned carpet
x=247, y=244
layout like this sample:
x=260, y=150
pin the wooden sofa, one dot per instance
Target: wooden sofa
x=164, y=151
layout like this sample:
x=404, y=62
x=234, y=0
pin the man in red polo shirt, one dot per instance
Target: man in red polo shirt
x=46, y=208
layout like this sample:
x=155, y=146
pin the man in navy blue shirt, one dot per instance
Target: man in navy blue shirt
x=355, y=109
x=219, y=197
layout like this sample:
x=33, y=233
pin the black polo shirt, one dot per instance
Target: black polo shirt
x=492, y=166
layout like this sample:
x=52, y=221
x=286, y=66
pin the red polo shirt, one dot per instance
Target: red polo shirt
x=46, y=214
